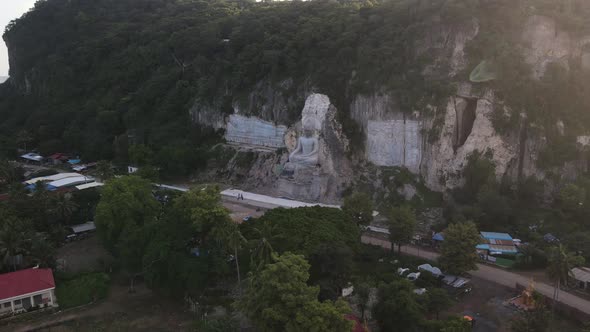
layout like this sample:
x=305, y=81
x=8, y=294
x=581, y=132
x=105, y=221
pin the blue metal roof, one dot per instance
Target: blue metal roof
x=32, y=187
x=496, y=236
x=505, y=250
x=483, y=246
x=438, y=237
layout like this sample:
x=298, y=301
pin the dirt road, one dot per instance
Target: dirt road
x=493, y=274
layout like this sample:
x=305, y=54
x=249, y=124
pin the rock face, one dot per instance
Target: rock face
x=547, y=44
x=395, y=143
x=254, y=131
x=434, y=143
x=445, y=158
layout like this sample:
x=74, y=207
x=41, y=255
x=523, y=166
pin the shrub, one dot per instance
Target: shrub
x=73, y=291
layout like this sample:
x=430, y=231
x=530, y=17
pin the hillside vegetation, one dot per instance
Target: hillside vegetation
x=95, y=77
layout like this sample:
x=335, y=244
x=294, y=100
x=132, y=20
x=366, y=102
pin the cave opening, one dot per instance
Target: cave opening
x=465, y=117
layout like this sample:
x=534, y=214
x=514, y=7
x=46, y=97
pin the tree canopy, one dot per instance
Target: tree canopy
x=402, y=224
x=359, y=207
x=458, y=253
x=304, y=230
x=279, y=299
x=397, y=308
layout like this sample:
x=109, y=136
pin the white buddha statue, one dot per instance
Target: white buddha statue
x=306, y=154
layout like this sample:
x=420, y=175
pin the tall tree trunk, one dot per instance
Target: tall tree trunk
x=399, y=248
x=238, y=269
x=555, y=296
x=132, y=284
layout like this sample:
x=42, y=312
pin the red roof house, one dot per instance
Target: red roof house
x=25, y=289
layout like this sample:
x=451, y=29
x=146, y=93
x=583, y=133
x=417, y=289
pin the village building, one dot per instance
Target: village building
x=495, y=245
x=581, y=277
x=24, y=290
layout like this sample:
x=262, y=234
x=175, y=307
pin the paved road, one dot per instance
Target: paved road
x=493, y=274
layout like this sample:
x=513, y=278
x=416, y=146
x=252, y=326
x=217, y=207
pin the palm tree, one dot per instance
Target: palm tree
x=42, y=252
x=229, y=234
x=64, y=206
x=12, y=240
x=263, y=251
x=560, y=268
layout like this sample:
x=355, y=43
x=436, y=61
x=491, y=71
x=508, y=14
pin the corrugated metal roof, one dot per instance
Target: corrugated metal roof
x=52, y=177
x=503, y=249
x=89, y=226
x=501, y=242
x=581, y=274
x=32, y=156
x=497, y=236
x=71, y=181
x=89, y=185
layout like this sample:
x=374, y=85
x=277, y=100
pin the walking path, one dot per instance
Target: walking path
x=493, y=274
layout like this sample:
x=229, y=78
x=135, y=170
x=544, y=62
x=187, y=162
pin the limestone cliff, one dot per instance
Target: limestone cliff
x=434, y=142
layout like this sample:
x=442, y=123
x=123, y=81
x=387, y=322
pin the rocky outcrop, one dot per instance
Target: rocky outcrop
x=279, y=103
x=546, y=43
x=444, y=159
x=255, y=132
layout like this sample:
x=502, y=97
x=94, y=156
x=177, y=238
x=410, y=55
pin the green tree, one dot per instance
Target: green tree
x=304, y=230
x=359, y=207
x=63, y=206
x=534, y=320
x=220, y=324
x=561, y=263
x=9, y=173
x=104, y=170
x=478, y=172
x=572, y=198
x=263, y=250
x=363, y=294
x=458, y=252
x=14, y=234
x=402, y=224
x=229, y=234
x=141, y=155
x=279, y=299
x=125, y=202
x=42, y=252
x=438, y=299
x=397, y=309
x=203, y=207
x=149, y=173
x=456, y=324
x=331, y=269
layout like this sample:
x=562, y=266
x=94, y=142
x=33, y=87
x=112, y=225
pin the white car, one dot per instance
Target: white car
x=413, y=276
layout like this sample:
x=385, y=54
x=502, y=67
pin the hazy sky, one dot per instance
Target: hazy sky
x=9, y=10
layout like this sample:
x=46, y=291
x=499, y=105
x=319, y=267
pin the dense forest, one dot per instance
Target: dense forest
x=95, y=77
